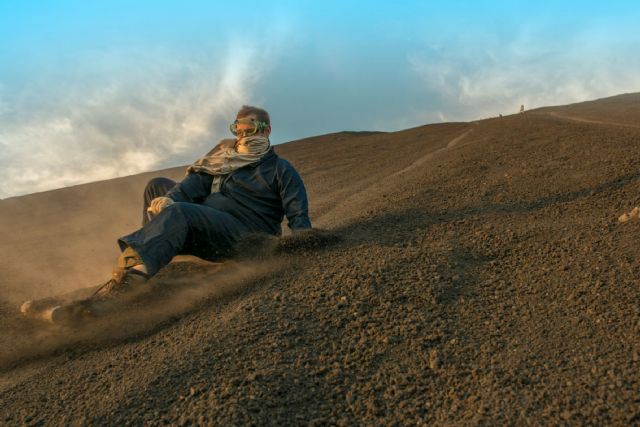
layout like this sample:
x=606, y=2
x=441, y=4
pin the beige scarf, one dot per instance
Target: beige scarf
x=230, y=155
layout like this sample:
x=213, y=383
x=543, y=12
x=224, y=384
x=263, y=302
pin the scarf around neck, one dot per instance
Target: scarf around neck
x=230, y=155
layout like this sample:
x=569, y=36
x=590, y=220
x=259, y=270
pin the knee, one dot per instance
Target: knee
x=157, y=187
x=178, y=208
x=178, y=213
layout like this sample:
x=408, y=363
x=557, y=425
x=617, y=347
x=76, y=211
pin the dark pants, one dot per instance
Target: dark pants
x=182, y=229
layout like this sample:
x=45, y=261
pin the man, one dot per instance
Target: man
x=240, y=187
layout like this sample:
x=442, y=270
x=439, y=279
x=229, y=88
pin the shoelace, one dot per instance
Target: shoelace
x=107, y=287
x=112, y=284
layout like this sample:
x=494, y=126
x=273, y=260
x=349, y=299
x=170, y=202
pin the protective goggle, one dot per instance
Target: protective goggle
x=253, y=128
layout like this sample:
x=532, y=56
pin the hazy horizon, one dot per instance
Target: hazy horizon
x=95, y=91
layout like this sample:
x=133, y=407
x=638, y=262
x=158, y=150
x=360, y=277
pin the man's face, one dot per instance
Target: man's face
x=247, y=126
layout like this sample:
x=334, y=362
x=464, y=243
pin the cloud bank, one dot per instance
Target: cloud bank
x=124, y=112
x=86, y=113
x=474, y=79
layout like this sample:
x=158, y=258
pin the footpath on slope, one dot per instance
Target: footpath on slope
x=584, y=120
x=381, y=183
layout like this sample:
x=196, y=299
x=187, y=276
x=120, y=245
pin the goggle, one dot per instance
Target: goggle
x=254, y=127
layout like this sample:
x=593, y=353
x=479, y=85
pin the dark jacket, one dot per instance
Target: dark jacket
x=259, y=195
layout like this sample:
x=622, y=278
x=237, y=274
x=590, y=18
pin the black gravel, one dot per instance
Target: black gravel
x=491, y=284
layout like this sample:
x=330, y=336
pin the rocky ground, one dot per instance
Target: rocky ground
x=478, y=276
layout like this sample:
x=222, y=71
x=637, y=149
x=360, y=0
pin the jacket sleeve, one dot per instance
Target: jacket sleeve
x=194, y=188
x=294, y=198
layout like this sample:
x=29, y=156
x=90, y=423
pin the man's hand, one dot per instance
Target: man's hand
x=158, y=204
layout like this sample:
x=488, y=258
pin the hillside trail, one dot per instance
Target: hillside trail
x=583, y=120
x=358, y=201
x=422, y=160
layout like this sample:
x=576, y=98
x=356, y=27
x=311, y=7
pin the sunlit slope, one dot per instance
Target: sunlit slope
x=621, y=109
x=70, y=234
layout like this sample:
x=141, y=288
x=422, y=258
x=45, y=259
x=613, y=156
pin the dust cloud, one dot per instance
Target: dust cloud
x=58, y=241
x=183, y=286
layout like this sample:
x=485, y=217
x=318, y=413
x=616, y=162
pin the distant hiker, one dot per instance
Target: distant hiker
x=240, y=187
x=500, y=115
x=522, y=108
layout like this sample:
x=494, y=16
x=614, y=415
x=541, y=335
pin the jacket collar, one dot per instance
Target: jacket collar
x=268, y=156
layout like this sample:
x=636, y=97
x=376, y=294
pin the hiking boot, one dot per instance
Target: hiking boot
x=108, y=298
x=41, y=309
x=33, y=307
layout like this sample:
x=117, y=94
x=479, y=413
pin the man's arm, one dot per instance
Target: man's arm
x=294, y=198
x=194, y=188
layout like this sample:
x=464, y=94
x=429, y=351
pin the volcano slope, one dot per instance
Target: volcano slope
x=481, y=278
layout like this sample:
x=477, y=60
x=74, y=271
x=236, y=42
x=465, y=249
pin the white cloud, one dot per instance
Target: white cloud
x=477, y=80
x=125, y=112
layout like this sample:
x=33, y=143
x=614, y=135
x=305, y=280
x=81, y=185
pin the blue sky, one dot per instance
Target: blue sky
x=93, y=90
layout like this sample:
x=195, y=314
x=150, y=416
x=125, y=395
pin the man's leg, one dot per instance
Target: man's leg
x=184, y=228
x=157, y=187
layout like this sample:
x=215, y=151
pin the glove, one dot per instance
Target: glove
x=158, y=204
